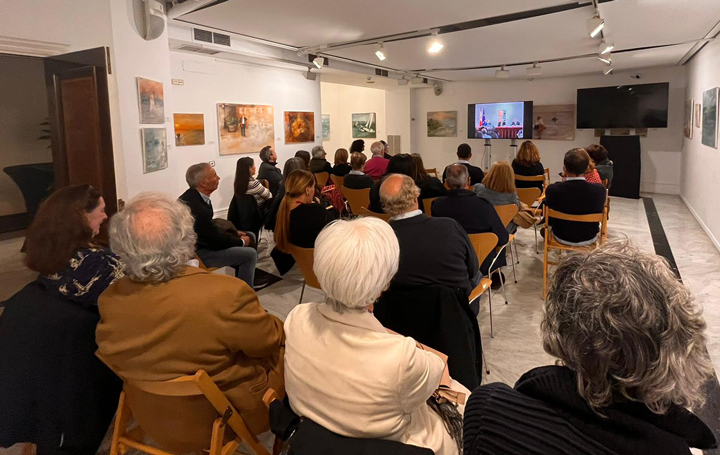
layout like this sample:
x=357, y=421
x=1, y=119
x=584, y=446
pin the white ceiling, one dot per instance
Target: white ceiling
x=630, y=24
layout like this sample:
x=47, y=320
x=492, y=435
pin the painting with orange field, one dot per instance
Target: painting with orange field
x=189, y=129
x=245, y=128
x=299, y=127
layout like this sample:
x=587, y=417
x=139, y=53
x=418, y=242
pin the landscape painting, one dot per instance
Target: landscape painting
x=189, y=129
x=364, y=126
x=299, y=127
x=326, y=127
x=245, y=128
x=688, y=130
x=154, y=149
x=442, y=124
x=152, y=101
x=710, y=117
x=554, y=122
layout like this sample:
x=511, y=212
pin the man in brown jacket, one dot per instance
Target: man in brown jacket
x=166, y=319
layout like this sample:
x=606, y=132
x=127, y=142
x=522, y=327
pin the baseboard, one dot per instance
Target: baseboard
x=659, y=188
x=701, y=222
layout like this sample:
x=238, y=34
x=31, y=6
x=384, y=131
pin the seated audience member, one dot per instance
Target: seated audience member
x=268, y=169
x=404, y=164
x=498, y=188
x=168, y=319
x=305, y=156
x=575, y=196
x=430, y=187
x=318, y=163
x=341, y=168
x=591, y=174
x=448, y=259
x=386, y=155
x=343, y=370
x=474, y=214
x=245, y=183
x=217, y=247
x=300, y=219
x=633, y=360
x=603, y=165
x=377, y=165
x=357, y=179
x=527, y=163
x=291, y=165
x=358, y=145
x=61, y=249
x=464, y=153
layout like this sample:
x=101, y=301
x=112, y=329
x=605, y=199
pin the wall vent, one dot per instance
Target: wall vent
x=379, y=72
x=394, y=144
x=198, y=49
x=222, y=40
x=202, y=35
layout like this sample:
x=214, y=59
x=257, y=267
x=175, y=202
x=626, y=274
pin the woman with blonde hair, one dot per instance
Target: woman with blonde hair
x=498, y=188
x=299, y=218
x=527, y=163
x=341, y=167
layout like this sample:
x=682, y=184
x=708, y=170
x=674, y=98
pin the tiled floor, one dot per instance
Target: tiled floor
x=516, y=346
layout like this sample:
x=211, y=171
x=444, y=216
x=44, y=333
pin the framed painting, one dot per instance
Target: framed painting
x=554, y=122
x=710, y=117
x=189, y=129
x=364, y=126
x=154, y=149
x=299, y=127
x=688, y=128
x=698, y=115
x=244, y=128
x=326, y=127
x=151, y=100
x=442, y=124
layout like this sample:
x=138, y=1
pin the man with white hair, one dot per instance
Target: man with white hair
x=318, y=163
x=377, y=165
x=167, y=319
x=432, y=250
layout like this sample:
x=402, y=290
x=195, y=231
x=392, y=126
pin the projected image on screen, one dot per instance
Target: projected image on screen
x=499, y=120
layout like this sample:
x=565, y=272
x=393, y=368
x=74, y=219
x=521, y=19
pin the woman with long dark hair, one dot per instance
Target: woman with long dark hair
x=404, y=163
x=245, y=183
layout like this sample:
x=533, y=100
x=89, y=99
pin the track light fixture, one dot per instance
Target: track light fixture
x=381, y=53
x=595, y=25
x=403, y=81
x=502, y=73
x=435, y=46
x=608, y=70
x=319, y=62
x=606, y=59
x=534, y=71
x=606, y=47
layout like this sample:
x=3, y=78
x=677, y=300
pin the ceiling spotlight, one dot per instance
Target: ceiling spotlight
x=418, y=80
x=381, y=53
x=435, y=46
x=595, y=25
x=534, y=71
x=502, y=73
x=607, y=71
x=606, y=59
x=605, y=47
x=319, y=62
x=403, y=81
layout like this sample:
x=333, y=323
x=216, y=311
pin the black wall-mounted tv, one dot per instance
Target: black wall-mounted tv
x=623, y=106
x=500, y=120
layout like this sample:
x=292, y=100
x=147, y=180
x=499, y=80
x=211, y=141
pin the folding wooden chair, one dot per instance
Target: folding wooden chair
x=356, y=198
x=338, y=180
x=427, y=205
x=305, y=258
x=322, y=178
x=506, y=213
x=383, y=216
x=432, y=171
x=532, y=178
x=485, y=244
x=196, y=414
x=529, y=196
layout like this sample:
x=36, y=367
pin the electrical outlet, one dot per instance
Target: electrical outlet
x=178, y=82
x=212, y=163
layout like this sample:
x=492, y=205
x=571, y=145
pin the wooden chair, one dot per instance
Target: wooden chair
x=338, y=180
x=427, y=205
x=383, y=216
x=529, y=196
x=506, y=213
x=552, y=244
x=356, y=198
x=547, y=176
x=484, y=244
x=322, y=178
x=432, y=171
x=197, y=417
x=305, y=258
x=532, y=178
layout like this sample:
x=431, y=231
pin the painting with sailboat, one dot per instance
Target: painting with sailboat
x=364, y=125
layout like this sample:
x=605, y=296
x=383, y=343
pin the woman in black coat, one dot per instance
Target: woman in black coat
x=404, y=163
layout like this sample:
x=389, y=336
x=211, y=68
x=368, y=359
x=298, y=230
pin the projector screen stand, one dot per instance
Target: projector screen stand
x=514, y=146
x=487, y=153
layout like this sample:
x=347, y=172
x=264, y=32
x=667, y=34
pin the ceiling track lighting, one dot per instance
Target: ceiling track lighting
x=534, y=71
x=605, y=47
x=595, y=25
x=608, y=71
x=319, y=62
x=403, y=81
x=502, y=73
x=606, y=59
x=435, y=45
x=381, y=53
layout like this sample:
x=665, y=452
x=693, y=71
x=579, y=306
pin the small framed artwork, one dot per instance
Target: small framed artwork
x=326, y=127
x=154, y=149
x=152, y=101
x=189, y=129
x=299, y=127
x=364, y=126
x=688, y=129
x=710, y=117
x=698, y=115
x=442, y=124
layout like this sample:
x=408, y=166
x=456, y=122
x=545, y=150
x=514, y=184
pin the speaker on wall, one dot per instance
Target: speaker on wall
x=154, y=12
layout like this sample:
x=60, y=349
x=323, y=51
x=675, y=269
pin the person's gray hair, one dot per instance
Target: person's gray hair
x=154, y=236
x=621, y=320
x=265, y=154
x=456, y=176
x=398, y=199
x=377, y=148
x=317, y=151
x=355, y=261
x=196, y=174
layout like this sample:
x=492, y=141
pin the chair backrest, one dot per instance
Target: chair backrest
x=528, y=196
x=356, y=198
x=588, y=218
x=338, y=180
x=547, y=175
x=432, y=171
x=322, y=178
x=530, y=178
x=483, y=244
x=506, y=212
x=427, y=205
x=305, y=258
x=365, y=212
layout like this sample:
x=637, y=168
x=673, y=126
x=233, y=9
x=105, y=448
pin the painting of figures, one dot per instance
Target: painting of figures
x=364, y=125
x=299, y=127
x=152, y=101
x=245, y=128
x=554, y=122
x=189, y=129
x=154, y=142
x=442, y=124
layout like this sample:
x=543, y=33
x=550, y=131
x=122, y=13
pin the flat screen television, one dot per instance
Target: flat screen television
x=623, y=106
x=500, y=120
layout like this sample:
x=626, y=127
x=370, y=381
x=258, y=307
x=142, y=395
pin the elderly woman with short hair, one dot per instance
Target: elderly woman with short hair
x=343, y=369
x=632, y=361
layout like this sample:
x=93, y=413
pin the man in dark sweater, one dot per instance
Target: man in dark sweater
x=464, y=153
x=575, y=196
x=216, y=247
x=268, y=169
x=432, y=250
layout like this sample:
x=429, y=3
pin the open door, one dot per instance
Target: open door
x=79, y=108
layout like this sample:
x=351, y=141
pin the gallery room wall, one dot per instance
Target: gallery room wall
x=340, y=102
x=208, y=82
x=700, y=185
x=661, y=150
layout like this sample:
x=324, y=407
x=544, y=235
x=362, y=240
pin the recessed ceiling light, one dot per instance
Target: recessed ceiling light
x=607, y=59
x=605, y=47
x=595, y=25
x=435, y=46
x=381, y=53
x=502, y=73
x=534, y=71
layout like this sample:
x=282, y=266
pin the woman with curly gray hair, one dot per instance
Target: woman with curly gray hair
x=632, y=362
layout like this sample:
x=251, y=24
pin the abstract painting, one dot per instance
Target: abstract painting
x=364, y=125
x=154, y=142
x=189, y=129
x=152, y=101
x=688, y=129
x=325, y=127
x=698, y=115
x=710, y=117
x=245, y=128
x=299, y=127
x=554, y=122
x=442, y=124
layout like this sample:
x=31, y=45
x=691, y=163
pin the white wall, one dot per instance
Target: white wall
x=661, y=150
x=397, y=113
x=340, y=102
x=700, y=185
x=238, y=83
x=23, y=106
